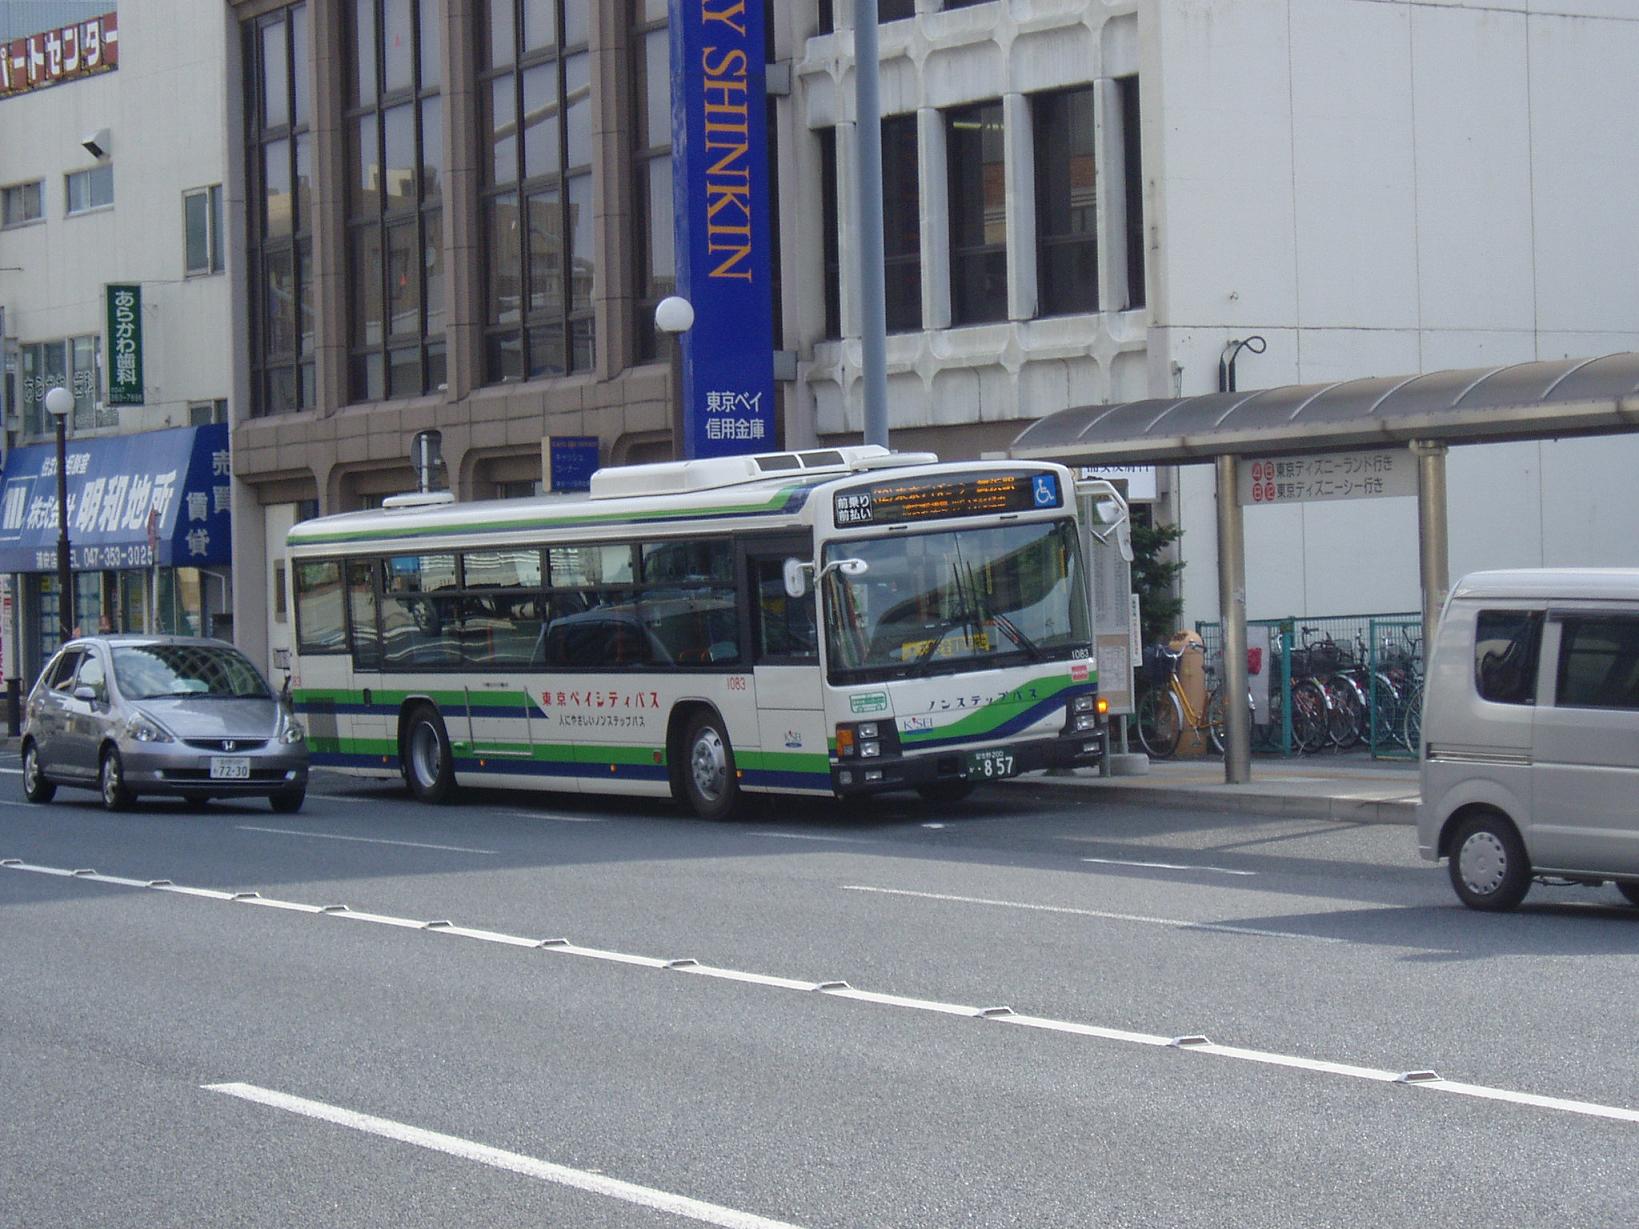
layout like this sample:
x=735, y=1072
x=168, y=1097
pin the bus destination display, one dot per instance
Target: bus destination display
x=913, y=498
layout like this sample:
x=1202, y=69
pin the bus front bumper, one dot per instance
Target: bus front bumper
x=976, y=765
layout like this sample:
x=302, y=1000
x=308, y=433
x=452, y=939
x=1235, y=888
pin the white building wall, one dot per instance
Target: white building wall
x=164, y=109
x=1381, y=188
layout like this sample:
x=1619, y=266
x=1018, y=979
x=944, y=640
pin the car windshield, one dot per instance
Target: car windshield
x=186, y=671
x=943, y=602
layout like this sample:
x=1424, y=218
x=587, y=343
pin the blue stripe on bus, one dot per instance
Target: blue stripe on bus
x=768, y=778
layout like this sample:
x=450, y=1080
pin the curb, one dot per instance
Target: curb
x=1240, y=799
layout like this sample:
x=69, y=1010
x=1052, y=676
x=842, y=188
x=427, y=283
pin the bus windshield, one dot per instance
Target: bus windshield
x=970, y=599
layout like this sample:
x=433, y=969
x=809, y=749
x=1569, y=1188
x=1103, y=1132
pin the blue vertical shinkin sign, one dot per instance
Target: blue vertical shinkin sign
x=721, y=194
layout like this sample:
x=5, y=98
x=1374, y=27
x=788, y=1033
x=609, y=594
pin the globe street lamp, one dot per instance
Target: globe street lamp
x=60, y=402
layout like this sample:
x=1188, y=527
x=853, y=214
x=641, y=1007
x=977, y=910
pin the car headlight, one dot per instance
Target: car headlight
x=146, y=730
x=292, y=732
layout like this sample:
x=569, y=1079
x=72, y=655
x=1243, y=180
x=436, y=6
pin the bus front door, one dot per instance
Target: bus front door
x=794, y=755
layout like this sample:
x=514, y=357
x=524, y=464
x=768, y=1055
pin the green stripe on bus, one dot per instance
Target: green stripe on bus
x=775, y=503
x=783, y=761
x=982, y=721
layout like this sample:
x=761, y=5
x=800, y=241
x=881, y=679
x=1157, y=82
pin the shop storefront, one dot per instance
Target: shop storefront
x=149, y=537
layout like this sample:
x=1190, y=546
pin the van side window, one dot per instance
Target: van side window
x=1598, y=663
x=1505, y=655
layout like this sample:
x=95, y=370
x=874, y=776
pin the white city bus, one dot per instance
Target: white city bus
x=662, y=636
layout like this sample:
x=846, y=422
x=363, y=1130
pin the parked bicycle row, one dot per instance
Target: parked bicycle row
x=1312, y=690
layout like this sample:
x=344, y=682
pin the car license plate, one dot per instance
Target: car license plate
x=230, y=768
x=990, y=765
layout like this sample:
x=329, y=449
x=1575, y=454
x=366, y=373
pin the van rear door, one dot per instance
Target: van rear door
x=1586, y=742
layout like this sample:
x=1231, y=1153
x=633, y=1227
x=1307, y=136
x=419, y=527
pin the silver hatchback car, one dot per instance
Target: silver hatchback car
x=188, y=717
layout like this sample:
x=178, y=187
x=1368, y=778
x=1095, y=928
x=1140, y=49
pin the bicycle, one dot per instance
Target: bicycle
x=1164, y=711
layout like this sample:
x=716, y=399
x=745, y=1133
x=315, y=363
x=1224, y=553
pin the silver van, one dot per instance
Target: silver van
x=1530, y=736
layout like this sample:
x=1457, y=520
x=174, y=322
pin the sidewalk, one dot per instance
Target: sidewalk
x=1345, y=787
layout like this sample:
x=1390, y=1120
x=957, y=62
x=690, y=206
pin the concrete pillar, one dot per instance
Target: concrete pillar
x=1232, y=602
x=1433, y=547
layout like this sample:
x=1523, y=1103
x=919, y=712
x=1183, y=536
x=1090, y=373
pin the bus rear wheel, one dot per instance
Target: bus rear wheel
x=709, y=781
x=425, y=758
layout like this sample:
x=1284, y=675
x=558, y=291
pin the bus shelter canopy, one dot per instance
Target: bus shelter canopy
x=1558, y=397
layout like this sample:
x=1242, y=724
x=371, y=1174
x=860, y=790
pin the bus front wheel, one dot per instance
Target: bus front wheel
x=425, y=758
x=709, y=781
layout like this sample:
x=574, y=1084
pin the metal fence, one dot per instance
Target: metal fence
x=1331, y=682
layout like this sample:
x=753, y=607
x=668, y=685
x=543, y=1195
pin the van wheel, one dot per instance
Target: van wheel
x=425, y=758
x=709, y=781
x=35, y=786
x=1489, y=867
x=1631, y=891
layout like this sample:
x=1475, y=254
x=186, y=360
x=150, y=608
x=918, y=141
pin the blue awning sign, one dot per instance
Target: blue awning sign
x=155, y=497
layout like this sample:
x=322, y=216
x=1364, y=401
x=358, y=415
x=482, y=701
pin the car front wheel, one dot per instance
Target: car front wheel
x=35, y=786
x=111, y=782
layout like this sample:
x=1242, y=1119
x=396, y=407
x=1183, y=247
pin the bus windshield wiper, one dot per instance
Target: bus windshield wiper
x=1016, y=635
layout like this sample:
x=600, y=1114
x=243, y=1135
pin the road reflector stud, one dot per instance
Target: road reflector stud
x=991, y=1013
x=1188, y=1040
x=1418, y=1077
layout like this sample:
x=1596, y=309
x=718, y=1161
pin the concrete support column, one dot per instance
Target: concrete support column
x=1110, y=194
x=1433, y=551
x=463, y=242
x=933, y=170
x=1019, y=161
x=1232, y=602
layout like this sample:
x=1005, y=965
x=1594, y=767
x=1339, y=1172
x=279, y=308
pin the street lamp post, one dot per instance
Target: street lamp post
x=674, y=316
x=60, y=402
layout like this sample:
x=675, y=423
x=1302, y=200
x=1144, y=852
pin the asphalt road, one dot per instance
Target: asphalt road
x=182, y=1057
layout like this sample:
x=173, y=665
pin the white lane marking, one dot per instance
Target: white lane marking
x=839, y=989
x=1168, y=866
x=810, y=836
x=12, y=772
x=1174, y=923
x=496, y=1158
x=562, y=819
x=363, y=840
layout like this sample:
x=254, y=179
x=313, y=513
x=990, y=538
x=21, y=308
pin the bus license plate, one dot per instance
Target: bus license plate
x=990, y=765
x=230, y=768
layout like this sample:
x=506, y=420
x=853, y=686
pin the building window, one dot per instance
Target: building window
x=978, y=213
x=894, y=10
x=535, y=147
x=21, y=203
x=830, y=241
x=901, y=224
x=655, y=272
x=1066, y=213
x=279, y=162
x=202, y=230
x=89, y=189
x=204, y=413
x=395, y=159
x=73, y=363
x=1132, y=155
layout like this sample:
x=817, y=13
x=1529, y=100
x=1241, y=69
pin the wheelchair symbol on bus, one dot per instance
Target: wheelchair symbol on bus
x=1046, y=489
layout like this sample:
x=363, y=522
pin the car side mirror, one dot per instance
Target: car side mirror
x=86, y=692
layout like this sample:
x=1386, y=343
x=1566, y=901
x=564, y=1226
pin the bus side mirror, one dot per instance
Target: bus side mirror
x=796, y=578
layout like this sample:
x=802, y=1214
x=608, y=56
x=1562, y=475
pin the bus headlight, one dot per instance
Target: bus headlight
x=1085, y=722
x=869, y=747
x=1083, y=703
